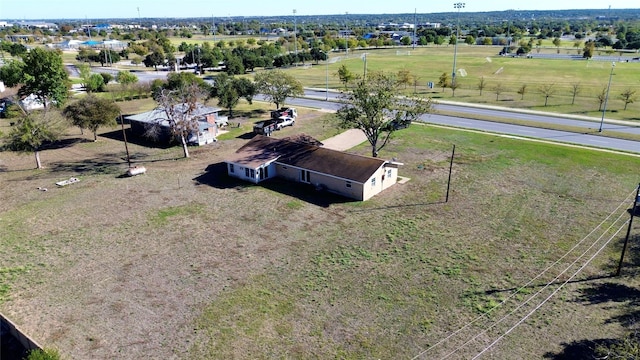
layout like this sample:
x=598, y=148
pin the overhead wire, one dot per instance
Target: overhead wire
x=517, y=291
x=551, y=295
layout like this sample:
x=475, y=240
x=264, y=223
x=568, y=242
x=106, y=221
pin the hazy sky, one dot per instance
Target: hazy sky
x=96, y=9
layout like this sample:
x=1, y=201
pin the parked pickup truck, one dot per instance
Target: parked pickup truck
x=284, y=121
x=265, y=127
x=284, y=112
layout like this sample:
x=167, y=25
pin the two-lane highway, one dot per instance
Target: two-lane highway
x=315, y=99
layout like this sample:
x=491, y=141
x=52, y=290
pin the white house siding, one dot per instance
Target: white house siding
x=381, y=182
x=250, y=174
x=330, y=183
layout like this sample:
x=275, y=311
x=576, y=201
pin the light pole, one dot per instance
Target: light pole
x=455, y=46
x=295, y=39
x=346, y=35
x=327, y=75
x=606, y=98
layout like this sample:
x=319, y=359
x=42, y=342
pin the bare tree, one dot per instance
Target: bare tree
x=547, y=91
x=522, y=91
x=498, y=89
x=602, y=96
x=180, y=107
x=575, y=90
x=482, y=84
x=454, y=85
x=628, y=96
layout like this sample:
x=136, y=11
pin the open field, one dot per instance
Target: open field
x=184, y=262
x=512, y=73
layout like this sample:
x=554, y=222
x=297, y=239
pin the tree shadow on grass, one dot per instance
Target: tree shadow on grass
x=215, y=175
x=580, y=349
x=136, y=140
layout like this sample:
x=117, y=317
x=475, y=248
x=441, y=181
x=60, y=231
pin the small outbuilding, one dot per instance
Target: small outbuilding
x=155, y=125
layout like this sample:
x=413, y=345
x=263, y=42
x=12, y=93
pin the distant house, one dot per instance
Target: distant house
x=353, y=176
x=155, y=125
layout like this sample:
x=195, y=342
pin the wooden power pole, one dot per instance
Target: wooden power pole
x=626, y=239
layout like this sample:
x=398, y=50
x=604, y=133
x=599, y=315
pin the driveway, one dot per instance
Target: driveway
x=345, y=140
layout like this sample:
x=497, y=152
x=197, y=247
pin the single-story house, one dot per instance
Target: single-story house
x=354, y=176
x=155, y=124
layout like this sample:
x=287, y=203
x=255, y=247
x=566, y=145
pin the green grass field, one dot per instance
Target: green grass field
x=195, y=265
x=428, y=64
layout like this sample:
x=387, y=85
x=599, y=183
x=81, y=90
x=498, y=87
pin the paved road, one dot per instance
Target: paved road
x=316, y=99
x=585, y=139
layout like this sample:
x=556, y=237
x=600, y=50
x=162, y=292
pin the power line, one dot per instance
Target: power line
x=551, y=295
x=484, y=315
x=537, y=293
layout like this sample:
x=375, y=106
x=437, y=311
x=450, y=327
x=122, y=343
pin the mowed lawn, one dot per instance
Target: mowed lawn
x=476, y=62
x=185, y=262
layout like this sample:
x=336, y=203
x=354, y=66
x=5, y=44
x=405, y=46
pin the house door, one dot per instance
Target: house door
x=305, y=176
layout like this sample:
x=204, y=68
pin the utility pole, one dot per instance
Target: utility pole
x=458, y=6
x=453, y=154
x=415, y=25
x=626, y=239
x=295, y=37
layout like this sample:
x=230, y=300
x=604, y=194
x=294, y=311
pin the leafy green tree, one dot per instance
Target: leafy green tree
x=95, y=83
x=32, y=131
x=470, y=40
x=229, y=90
x=405, y=40
x=589, y=49
x=443, y=82
x=108, y=57
x=374, y=108
x=126, y=78
x=277, y=85
x=86, y=54
x=14, y=49
x=106, y=77
x=404, y=77
x=41, y=73
x=91, y=113
x=345, y=75
x=557, y=42
x=154, y=59
x=180, y=80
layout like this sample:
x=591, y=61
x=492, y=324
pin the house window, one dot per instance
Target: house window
x=266, y=172
x=348, y=184
x=253, y=174
x=231, y=168
x=246, y=172
x=389, y=173
x=305, y=176
x=373, y=181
